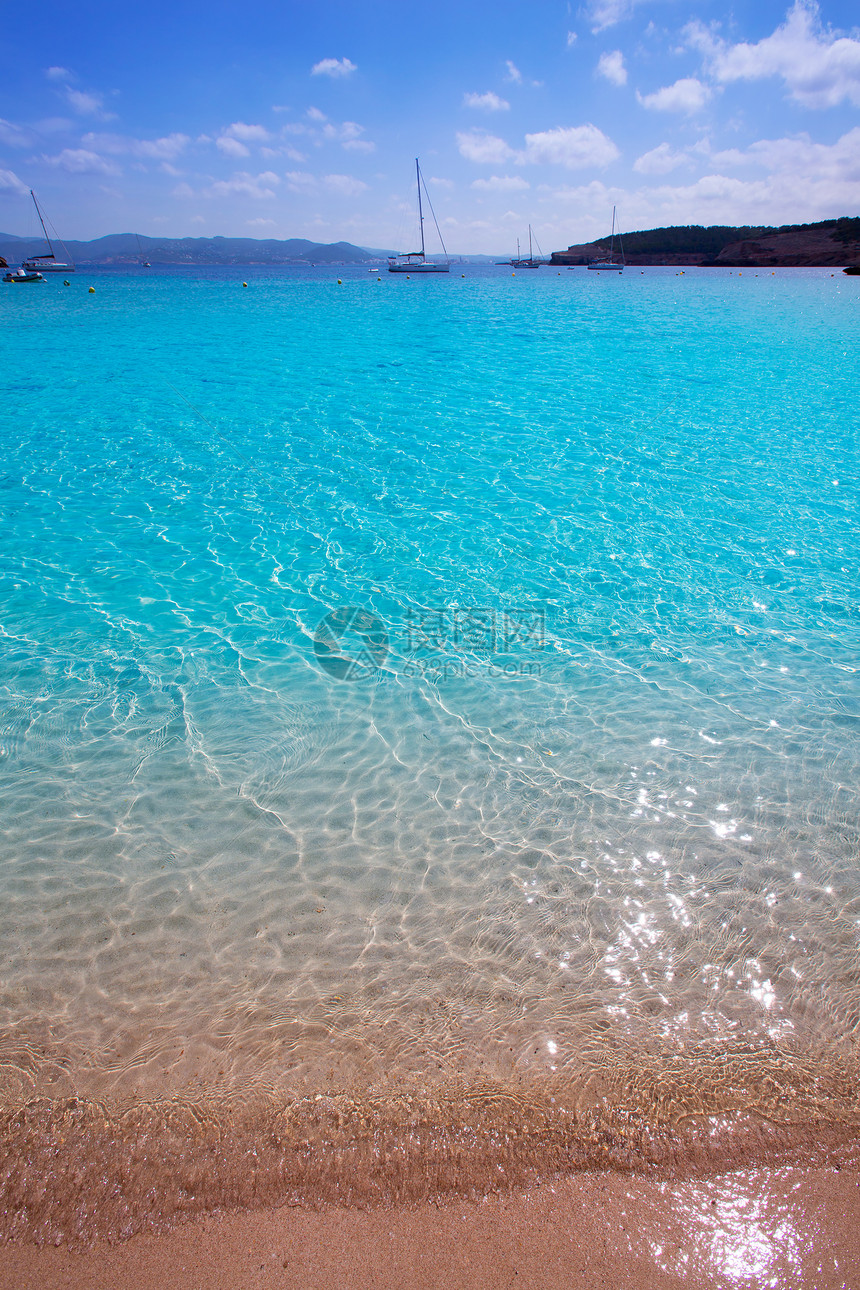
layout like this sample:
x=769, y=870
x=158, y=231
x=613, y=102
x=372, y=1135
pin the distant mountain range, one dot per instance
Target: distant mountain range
x=123, y=248
x=830, y=242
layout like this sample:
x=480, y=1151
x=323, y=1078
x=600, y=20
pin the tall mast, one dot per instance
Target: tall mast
x=420, y=208
x=42, y=222
x=612, y=235
x=531, y=256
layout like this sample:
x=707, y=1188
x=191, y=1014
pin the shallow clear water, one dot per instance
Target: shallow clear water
x=417, y=685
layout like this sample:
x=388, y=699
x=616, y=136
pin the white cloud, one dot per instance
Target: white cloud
x=686, y=95
x=183, y=191
x=232, y=147
x=260, y=223
x=802, y=160
x=659, y=161
x=344, y=185
x=347, y=134
x=58, y=73
x=572, y=38
x=166, y=148
x=601, y=14
x=514, y=75
x=260, y=187
x=80, y=161
x=571, y=146
x=14, y=136
x=488, y=102
x=501, y=184
x=300, y=181
x=314, y=114
x=796, y=179
x=334, y=67
x=87, y=104
x=486, y=149
x=9, y=182
x=612, y=67
x=247, y=133
x=819, y=68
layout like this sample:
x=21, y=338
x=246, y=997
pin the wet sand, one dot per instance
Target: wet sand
x=791, y=1227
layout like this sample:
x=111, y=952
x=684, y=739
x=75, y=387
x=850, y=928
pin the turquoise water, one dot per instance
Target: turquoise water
x=429, y=685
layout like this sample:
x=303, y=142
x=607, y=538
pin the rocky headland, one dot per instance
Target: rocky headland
x=833, y=242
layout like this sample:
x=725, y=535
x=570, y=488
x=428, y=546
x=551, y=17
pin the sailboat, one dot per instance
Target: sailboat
x=416, y=261
x=531, y=262
x=48, y=262
x=145, y=264
x=610, y=264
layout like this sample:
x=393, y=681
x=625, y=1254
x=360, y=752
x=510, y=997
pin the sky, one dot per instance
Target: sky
x=263, y=119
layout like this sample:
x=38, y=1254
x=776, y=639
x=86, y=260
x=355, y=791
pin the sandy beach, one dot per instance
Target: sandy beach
x=791, y=1227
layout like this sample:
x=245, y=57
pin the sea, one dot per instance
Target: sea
x=429, y=732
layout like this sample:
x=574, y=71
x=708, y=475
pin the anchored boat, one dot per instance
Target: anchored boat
x=611, y=264
x=416, y=261
x=534, y=261
x=48, y=262
x=22, y=275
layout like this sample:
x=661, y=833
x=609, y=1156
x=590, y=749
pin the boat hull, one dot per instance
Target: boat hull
x=418, y=268
x=607, y=268
x=35, y=266
x=23, y=275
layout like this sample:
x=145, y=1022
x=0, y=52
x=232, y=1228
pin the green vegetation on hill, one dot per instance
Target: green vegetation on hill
x=847, y=230
x=686, y=239
x=694, y=239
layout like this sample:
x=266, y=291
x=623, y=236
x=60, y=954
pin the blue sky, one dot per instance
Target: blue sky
x=302, y=120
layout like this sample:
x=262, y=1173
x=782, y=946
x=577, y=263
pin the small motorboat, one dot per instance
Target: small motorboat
x=22, y=275
x=853, y=270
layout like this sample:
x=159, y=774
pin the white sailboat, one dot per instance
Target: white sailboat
x=48, y=262
x=416, y=261
x=611, y=264
x=531, y=262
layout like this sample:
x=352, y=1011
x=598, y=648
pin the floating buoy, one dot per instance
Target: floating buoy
x=92, y=290
x=339, y=283
x=407, y=277
x=513, y=275
x=462, y=275
x=66, y=282
x=244, y=284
